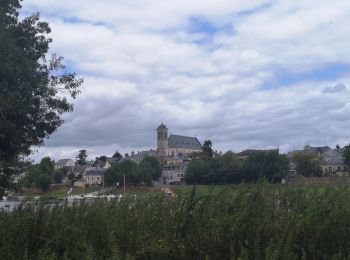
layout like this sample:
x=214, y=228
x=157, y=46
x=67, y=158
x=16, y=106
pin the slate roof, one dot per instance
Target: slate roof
x=184, y=142
x=95, y=172
x=101, y=163
x=62, y=162
x=137, y=158
x=334, y=161
x=248, y=152
x=321, y=149
x=162, y=126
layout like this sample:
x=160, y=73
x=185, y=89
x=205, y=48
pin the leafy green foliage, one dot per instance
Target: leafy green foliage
x=43, y=182
x=143, y=173
x=58, y=175
x=265, y=164
x=242, y=222
x=40, y=175
x=228, y=168
x=346, y=155
x=307, y=164
x=81, y=158
x=33, y=87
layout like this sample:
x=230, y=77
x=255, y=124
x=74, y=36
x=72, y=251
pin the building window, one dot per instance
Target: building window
x=339, y=169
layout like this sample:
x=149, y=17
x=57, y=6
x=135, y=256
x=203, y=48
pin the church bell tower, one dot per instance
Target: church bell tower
x=162, y=140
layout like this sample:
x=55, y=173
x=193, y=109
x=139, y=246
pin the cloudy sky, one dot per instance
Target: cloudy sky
x=245, y=74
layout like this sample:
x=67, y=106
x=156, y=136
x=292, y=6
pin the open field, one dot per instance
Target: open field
x=240, y=222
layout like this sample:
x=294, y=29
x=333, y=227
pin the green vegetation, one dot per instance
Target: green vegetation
x=143, y=173
x=228, y=169
x=35, y=89
x=308, y=164
x=40, y=175
x=243, y=222
x=346, y=155
x=81, y=158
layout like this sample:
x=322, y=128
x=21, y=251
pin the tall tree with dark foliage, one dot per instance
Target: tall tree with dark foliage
x=34, y=89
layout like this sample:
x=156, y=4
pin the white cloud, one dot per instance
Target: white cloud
x=143, y=65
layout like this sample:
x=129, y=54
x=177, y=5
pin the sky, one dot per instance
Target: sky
x=244, y=74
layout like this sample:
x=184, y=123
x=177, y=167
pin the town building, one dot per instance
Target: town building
x=64, y=163
x=94, y=177
x=104, y=162
x=174, y=169
x=174, y=145
x=139, y=156
x=174, y=152
x=332, y=160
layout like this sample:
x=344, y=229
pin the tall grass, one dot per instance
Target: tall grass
x=248, y=222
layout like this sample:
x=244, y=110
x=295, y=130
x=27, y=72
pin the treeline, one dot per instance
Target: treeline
x=245, y=222
x=228, y=169
x=148, y=170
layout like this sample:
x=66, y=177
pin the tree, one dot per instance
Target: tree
x=33, y=87
x=207, y=150
x=346, y=155
x=265, y=164
x=47, y=166
x=117, y=155
x=307, y=164
x=58, y=176
x=43, y=182
x=149, y=170
x=81, y=158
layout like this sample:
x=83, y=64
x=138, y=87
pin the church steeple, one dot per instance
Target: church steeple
x=162, y=140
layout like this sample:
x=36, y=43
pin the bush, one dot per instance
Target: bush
x=43, y=182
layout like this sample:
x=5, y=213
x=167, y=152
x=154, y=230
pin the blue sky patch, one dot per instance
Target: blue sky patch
x=327, y=72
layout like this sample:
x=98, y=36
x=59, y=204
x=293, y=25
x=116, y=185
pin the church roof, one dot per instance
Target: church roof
x=162, y=126
x=184, y=142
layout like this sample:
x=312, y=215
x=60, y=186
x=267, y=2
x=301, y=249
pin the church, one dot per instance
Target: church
x=175, y=145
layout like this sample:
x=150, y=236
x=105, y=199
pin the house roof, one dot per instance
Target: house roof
x=184, y=142
x=139, y=156
x=97, y=171
x=251, y=151
x=334, y=161
x=101, y=163
x=62, y=162
x=319, y=149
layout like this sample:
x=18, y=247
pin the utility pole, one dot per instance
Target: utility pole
x=124, y=184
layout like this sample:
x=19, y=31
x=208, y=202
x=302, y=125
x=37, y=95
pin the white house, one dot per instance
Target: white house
x=95, y=176
x=64, y=163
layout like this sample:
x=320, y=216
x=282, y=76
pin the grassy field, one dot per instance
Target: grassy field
x=227, y=222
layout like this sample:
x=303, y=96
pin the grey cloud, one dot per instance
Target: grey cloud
x=335, y=89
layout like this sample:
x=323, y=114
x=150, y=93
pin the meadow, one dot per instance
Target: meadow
x=260, y=221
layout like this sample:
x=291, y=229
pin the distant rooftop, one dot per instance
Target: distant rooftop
x=162, y=126
x=184, y=142
x=62, y=162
